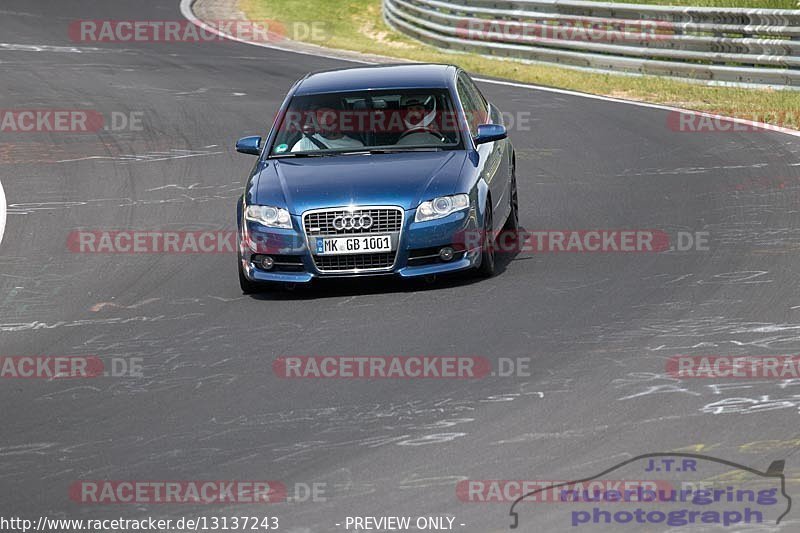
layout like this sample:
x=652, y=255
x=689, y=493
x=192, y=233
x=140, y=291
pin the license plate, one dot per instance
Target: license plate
x=354, y=245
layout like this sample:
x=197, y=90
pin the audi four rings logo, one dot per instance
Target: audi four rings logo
x=354, y=221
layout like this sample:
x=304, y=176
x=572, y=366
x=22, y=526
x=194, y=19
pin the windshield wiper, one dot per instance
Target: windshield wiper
x=399, y=150
x=390, y=151
x=303, y=154
x=360, y=152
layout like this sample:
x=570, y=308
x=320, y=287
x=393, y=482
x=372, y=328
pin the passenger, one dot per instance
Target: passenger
x=328, y=135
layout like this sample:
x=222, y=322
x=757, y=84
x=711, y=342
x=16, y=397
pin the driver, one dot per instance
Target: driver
x=419, y=118
x=328, y=135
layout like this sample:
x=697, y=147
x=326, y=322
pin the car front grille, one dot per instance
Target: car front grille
x=354, y=261
x=385, y=220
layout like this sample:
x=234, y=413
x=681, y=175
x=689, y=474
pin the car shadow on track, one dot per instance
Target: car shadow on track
x=343, y=287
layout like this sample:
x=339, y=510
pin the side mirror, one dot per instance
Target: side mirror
x=488, y=133
x=249, y=145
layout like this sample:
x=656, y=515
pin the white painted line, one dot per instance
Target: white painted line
x=2, y=212
x=14, y=47
x=759, y=125
x=186, y=11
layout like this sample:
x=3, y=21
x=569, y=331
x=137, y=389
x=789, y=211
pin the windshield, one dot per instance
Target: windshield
x=368, y=121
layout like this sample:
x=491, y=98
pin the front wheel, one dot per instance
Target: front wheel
x=512, y=222
x=247, y=286
x=486, y=268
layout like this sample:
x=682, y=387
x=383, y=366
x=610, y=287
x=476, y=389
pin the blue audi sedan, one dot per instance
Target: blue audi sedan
x=401, y=170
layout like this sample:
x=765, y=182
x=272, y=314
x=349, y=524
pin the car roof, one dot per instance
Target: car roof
x=408, y=76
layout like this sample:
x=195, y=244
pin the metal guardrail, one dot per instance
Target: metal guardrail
x=742, y=46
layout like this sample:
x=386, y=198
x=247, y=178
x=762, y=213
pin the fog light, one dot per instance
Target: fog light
x=446, y=254
x=267, y=262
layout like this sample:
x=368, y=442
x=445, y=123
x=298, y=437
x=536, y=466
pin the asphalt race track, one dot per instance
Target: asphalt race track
x=598, y=327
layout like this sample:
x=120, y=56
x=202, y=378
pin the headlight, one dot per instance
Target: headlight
x=274, y=217
x=441, y=207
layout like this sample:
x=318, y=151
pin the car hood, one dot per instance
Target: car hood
x=403, y=179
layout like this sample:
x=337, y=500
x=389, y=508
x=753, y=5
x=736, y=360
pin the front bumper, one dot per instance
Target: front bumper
x=295, y=264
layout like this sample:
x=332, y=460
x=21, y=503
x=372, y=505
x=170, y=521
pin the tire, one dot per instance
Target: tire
x=508, y=240
x=512, y=222
x=247, y=286
x=486, y=269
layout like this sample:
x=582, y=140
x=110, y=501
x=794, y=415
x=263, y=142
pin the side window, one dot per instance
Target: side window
x=470, y=104
x=480, y=101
